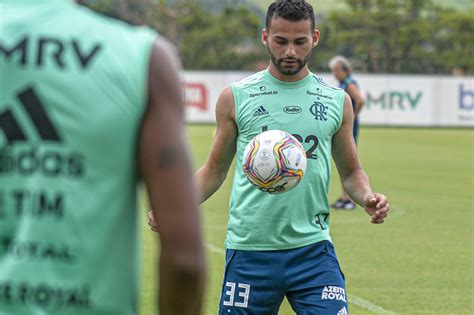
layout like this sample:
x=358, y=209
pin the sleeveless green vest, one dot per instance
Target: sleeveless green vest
x=311, y=111
x=73, y=90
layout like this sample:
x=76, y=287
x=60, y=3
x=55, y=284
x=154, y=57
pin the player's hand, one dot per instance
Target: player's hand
x=377, y=207
x=151, y=221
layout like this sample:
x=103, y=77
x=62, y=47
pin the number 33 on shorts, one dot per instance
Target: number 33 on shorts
x=237, y=294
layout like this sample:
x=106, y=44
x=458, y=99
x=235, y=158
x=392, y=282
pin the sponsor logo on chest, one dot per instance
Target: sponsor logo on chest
x=319, y=94
x=261, y=111
x=263, y=92
x=292, y=110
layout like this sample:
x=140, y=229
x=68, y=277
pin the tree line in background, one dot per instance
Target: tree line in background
x=378, y=36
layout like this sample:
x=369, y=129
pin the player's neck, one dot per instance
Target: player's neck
x=288, y=78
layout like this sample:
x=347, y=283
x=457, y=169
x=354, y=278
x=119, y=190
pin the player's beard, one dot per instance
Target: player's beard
x=300, y=63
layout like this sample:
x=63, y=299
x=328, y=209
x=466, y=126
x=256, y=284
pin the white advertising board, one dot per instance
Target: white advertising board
x=391, y=100
x=456, y=102
x=202, y=90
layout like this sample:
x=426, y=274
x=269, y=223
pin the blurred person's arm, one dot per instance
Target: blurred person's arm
x=213, y=173
x=356, y=95
x=166, y=169
x=354, y=179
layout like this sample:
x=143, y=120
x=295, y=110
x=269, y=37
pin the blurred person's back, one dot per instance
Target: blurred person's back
x=73, y=93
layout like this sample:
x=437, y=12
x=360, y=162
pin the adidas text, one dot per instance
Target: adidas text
x=48, y=162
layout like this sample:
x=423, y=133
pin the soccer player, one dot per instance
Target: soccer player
x=86, y=103
x=342, y=70
x=279, y=245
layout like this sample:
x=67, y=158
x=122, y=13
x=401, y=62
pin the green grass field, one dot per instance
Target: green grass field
x=421, y=261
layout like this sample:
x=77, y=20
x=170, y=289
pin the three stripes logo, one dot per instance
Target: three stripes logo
x=33, y=158
x=36, y=113
x=261, y=111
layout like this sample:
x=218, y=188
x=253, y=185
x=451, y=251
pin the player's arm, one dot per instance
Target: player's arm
x=213, y=173
x=356, y=95
x=354, y=179
x=166, y=169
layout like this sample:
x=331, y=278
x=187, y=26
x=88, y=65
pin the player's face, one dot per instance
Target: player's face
x=290, y=44
x=338, y=72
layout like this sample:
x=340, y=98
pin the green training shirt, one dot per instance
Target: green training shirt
x=73, y=90
x=312, y=111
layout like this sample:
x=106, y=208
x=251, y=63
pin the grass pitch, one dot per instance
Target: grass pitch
x=421, y=261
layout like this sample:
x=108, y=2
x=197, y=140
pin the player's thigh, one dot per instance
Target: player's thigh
x=252, y=284
x=318, y=285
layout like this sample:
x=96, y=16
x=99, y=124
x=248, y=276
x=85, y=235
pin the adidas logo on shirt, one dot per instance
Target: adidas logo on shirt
x=51, y=160
x=261, y=111
x=343, y=311
x=33, y=107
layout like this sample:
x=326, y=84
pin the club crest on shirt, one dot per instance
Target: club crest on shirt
x=319, y=111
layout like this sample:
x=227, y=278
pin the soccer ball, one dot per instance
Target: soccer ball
x=274, y=161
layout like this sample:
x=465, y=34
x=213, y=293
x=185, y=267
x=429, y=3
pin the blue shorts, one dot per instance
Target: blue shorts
x=256, y=282
x=355, y=129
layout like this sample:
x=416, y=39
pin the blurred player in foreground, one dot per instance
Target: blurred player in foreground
x=85, y=102
x=342, y=70
x=279, y=245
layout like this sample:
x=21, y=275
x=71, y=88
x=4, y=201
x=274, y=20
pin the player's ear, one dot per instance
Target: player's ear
x=316, y=35
x=265, y=37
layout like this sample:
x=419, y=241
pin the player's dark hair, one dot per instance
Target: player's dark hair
x=291, y=10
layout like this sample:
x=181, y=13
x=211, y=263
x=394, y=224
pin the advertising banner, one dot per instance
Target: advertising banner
x=391, y=100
